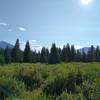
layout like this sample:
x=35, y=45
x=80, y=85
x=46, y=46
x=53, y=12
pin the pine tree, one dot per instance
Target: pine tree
x=68, y=50
x=72, y=53
x=34, y=56
x=78, y=56
x=44, y=55
x=47, y=55
x=97, y=54
x=2, y=56
x=17, y=53
x=64, y=54
x=84, y=57
x=7, y=55
x=27, y=53
x=54, y=55
x=59, y=52
x=91, y=54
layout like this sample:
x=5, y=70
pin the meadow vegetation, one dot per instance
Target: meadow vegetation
x=65, y=81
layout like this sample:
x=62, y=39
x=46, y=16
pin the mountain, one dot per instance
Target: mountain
x=4, y=44
x=84, y=49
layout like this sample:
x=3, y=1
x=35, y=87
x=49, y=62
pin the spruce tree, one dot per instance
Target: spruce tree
x=68, y=51
x=78, y=56
x=64, y=54
x=27, y=53
x=34, y=56
x=54, y=55
x=7, y=55
x=44, y=55
x=97, y=54
x=17, y=53
x=72, y=53
x=84, y=57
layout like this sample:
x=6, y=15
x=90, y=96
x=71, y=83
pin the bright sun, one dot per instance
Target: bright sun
x=86, y=2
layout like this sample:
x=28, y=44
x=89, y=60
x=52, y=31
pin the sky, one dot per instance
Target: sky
x=44, y=22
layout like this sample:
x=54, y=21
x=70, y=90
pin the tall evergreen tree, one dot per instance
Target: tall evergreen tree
x=54, y=55
x=97, y=54
x=78, y=56
x=84, y=57
x=68, y=50
x=64, y=54
x=59, y=52
x=2, y=56
x=72, y=53
x=8, y=58
x=44, y=55
x=17, y=53
x=27, y=53
x=91, y=54
x=34, y=56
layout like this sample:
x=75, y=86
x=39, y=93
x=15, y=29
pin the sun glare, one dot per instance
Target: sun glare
x=86, y=2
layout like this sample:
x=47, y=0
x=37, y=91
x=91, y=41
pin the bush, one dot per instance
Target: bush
x=9, y=86
x=31, y=79
x=55, y=87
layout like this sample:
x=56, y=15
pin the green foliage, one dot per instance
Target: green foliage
x=44, y=57
x=10, y=87
x=30, y=78
x=54, y=55
x=71, y=81
x=27, y=53
x=8, y=57
x=55, y=87
x=2, y=60
x=17, y=53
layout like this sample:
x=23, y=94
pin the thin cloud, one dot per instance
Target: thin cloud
x=33, y=41
x=78, y=47
x=21, y=29
x=3, y=24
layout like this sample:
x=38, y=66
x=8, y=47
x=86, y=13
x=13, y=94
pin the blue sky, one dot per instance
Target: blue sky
x=47, y=21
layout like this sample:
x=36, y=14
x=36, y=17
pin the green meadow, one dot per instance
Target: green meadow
x=65, y=81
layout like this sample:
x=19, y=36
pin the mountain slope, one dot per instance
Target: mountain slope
x=84, y=49
x=4, y=44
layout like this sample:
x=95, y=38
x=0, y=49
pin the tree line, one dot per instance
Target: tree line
x=53, y=56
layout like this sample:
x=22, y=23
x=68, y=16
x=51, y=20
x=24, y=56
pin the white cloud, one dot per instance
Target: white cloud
x=33, y=41
x=78, y=47
x=21, y=29
x=3, y=24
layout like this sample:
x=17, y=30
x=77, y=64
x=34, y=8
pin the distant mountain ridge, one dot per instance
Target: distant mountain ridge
x=4, y=44
x=84, y=49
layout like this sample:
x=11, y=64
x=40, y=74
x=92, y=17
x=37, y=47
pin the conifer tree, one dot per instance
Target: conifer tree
x=54, y=55
x=44, y=55
x=78, y=56
x=17, y=53
x=72, y=53
x=84, y=57
x=27, y=53
x=64, y=54
x=97, y=54
x=68, y=50
x=7, y=55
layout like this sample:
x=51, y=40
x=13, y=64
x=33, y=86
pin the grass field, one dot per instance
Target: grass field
x=66, y=81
